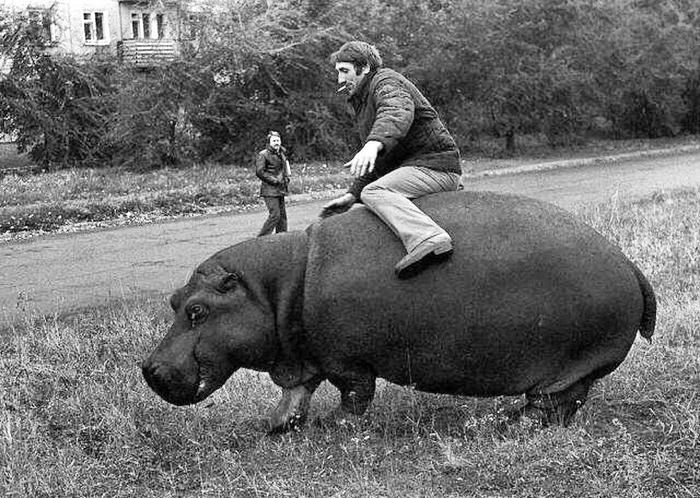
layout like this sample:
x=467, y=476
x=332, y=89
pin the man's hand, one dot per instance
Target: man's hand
x=363, y=162
x=338, y=205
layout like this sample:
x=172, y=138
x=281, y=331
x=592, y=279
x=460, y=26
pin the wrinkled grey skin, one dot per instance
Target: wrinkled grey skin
x=531, y=301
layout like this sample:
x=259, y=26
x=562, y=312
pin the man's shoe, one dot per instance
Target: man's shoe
x=421, y=256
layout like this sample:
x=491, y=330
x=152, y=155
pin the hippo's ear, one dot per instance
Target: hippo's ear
x=228, y=282
x=175, y=301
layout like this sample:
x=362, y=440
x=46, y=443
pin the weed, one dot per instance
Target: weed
x=77, y=419
x=36, y=203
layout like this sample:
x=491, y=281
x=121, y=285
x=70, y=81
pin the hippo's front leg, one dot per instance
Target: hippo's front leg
x=298, y=381
x=293, y=408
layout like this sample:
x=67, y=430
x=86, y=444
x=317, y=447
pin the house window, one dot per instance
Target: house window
x=160, y=25
x=95, y=28
x=147, y=25
x=194, y=26
x=42, y=20
x=136, y=30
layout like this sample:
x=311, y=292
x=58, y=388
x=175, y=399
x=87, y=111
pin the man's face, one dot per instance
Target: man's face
x=348, y=78
x=275, y=142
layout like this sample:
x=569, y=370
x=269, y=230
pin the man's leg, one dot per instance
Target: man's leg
x=282, y=223
x=273, y=208
x=389, y=198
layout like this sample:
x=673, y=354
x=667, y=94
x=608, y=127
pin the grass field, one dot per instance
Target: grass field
x=46, y=202
x=72, y=199
x=76, y=418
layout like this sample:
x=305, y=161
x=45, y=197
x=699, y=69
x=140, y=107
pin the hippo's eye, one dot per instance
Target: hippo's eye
x=196, y=312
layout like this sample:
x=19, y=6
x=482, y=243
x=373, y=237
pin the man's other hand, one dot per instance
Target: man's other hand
x=363, y=162
x=338, y=205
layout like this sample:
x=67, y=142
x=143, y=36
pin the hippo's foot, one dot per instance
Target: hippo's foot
x=557, y=408
x=339, y=418
x=350, y=413
x=527, y=410
x=292, y=410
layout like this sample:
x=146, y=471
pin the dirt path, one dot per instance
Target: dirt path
x=62, y=273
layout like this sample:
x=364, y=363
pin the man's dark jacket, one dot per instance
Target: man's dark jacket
x=270, y=168
x=391, y=110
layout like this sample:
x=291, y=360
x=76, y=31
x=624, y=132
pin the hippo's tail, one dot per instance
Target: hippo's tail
x=648, y=323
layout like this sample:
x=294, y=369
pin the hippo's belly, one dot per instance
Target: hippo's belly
x=530, y=299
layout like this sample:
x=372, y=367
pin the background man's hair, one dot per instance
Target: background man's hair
x=360, y=54
x=273, y=133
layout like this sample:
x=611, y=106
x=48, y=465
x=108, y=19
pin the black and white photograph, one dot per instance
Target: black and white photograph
x=350, y=248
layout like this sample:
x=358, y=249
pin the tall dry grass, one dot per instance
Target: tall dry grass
x=55, y=200
x=76, y=418
x=48, y=201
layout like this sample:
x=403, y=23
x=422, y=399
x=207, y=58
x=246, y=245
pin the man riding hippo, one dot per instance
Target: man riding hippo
x=532, y=301
x=407, y=153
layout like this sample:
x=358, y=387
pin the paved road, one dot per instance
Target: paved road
x=62, y=273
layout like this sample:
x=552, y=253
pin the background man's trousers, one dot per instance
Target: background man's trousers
x=277, y=218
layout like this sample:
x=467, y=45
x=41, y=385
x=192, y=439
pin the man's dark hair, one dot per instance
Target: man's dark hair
x=360, y=54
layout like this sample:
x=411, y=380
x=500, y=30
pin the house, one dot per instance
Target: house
x=142, y=33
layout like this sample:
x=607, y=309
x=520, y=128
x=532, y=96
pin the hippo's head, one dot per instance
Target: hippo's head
x=220, y=325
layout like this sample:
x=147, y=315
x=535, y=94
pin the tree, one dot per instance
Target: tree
x=501, y=67
x=50, y=102
x=534, y=81
x=269, y=69
x=650, y=58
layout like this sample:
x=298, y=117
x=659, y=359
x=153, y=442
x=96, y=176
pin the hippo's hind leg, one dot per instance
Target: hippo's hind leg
x=557, y=407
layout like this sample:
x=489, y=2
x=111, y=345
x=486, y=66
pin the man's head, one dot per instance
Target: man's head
x=353, y=61
x=274, y=139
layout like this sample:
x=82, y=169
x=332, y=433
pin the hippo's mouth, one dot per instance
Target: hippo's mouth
x=178, y=385
x=169, y=383
x=205, y=385
x=204, y=389
x=209, y=380
x=185, y=380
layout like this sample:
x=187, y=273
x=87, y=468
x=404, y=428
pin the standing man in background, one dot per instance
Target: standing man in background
x=272, y=167
x=407, y=153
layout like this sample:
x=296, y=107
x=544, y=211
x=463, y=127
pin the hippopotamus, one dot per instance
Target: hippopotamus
x=532, y=301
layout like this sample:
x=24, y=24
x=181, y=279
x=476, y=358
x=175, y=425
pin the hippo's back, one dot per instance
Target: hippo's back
x=531, y=298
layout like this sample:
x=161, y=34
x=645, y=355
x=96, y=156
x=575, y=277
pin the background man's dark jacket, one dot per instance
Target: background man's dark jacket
x=390, y=109
x=270, y=168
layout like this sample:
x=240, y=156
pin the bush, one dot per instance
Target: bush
x=52, y=102
x=149, y=127
x=504, y=69
x=691, y=96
